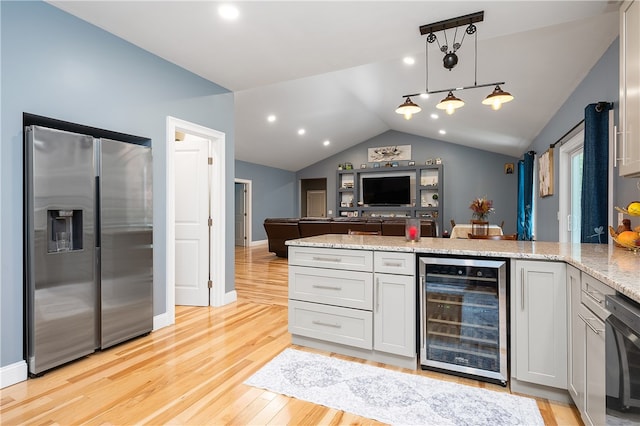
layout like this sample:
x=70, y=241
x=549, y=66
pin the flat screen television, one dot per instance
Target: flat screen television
x=386, y=191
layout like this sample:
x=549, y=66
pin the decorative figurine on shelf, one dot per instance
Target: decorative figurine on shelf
x=481, y=208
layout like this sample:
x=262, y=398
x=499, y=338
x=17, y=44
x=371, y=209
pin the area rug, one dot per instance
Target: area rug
x=390, y=396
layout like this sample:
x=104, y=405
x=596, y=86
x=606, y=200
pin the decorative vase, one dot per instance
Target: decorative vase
x=480, y=217
x=412, y=229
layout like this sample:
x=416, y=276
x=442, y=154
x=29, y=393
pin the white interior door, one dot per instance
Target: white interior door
x=316, y=203
x=192, y=222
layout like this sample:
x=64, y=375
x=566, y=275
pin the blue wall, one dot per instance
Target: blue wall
x=58, y=66
x=600, y=84
x=468, y=173
x=274, y=194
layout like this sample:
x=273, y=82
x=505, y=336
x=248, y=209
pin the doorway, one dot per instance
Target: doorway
x=242, y=214
x=313, y=196
x=217, y=253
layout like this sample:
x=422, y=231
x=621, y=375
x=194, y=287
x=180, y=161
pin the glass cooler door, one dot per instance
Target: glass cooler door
x=463, y=317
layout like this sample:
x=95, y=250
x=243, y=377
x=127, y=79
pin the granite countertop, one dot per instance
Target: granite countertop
x=617, y=267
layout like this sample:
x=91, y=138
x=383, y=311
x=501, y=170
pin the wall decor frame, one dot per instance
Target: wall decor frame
x=508, y=168
x=388, y=153
x=545, y=173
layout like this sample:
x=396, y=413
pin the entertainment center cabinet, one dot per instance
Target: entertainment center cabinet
x=427, y=193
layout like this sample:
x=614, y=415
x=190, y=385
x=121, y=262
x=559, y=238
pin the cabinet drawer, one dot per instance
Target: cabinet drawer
x=346, y=326
x=593, y=293
x=389, y=262
x=350, y=289
x=355, y=260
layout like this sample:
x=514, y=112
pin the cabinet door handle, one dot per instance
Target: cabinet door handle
x=591, y=294
x=327, y=324
x=615, y=146
x=586, y=321
x=377, y=293
x=396, y=264
x=326, y=287
x=326, y=259
x=522, y=289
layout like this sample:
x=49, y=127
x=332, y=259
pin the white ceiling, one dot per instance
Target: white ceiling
x=335, y=68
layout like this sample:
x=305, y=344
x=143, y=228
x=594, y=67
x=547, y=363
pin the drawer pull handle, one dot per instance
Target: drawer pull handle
x=586, y=321
x=396, y=264
x=591, y=294
x=326, y=324
x=326, y=287
x=327, y=259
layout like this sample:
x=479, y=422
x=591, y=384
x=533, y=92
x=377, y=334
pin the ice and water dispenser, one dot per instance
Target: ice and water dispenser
x=65, y=230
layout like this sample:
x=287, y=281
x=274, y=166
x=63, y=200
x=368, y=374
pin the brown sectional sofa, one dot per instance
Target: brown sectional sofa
x=280, y=230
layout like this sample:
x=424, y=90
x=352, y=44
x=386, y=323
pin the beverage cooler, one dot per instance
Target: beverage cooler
x=463, y=317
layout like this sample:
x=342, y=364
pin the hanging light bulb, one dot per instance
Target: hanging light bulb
x=450, y=103
x=408, y=108
x=497, y=98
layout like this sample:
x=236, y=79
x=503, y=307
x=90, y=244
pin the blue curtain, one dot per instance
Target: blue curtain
x=525, y=197
x=595, y=169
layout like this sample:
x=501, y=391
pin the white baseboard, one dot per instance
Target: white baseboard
x=230, y=297
x=13, y=373
x=161, y=321
x=259, y=243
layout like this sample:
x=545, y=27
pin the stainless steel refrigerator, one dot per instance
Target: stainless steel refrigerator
x=88, y=245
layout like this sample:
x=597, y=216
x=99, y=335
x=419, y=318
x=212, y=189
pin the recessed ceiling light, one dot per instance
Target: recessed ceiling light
x=228, y=12
x=326, y=143
x=434, y=116
x=271, y=118
x=442, y=132
x=301, y=131
x=424, y=95
x=409, y=60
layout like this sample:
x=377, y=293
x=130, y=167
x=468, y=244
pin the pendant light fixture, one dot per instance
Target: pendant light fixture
x=450, y=103
x=497, y=98
x=408, y=108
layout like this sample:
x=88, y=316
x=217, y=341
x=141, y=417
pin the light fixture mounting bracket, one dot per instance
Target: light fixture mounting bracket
x=434, y=27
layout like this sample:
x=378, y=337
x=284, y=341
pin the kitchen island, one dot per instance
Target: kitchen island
x=358, y=295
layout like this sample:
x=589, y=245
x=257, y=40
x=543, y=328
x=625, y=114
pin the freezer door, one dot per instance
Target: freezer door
x=126, y=242
x=60, y=288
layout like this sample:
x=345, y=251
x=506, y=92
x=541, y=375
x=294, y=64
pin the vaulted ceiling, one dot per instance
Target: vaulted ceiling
x=335, y=68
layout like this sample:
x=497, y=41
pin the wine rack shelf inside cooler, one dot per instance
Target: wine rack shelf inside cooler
x=463, y=316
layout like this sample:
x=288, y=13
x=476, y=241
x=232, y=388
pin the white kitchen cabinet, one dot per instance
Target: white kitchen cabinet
x=394, y=310
x=587, y=363
x=338, y=303
x=577, y=337
x=539, y=323
x=629, y=118
x=595, y=369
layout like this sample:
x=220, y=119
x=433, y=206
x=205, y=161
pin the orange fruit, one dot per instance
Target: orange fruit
x=629, y=238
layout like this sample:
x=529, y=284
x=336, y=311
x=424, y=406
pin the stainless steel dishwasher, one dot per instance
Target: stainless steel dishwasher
x=623, y=360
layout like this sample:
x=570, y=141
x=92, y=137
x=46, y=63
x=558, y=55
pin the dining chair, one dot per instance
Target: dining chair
x=479, y=227
x=493, y=237
x=363, y=232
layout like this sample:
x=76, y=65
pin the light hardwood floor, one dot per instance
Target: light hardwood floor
x=193, y=372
